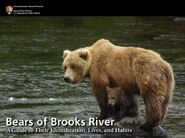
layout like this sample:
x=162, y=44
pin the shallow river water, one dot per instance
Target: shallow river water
x=31, y=78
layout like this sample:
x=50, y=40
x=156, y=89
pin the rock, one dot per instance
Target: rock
x=134, y=124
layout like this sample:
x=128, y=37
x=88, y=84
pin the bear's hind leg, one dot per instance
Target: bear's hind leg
x=165, y=103
x=154, y=112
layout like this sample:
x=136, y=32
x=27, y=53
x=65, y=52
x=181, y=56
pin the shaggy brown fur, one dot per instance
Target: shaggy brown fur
x=122, y=104
x=136, y=70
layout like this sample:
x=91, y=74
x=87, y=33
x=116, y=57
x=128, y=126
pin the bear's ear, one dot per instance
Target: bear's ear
x=84, y=54
x=108, y=88
x=65, y=53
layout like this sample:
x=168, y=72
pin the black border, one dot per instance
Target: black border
x=102, y=8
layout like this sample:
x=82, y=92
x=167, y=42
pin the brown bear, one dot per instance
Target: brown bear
x=135, y=69
x=121, y=103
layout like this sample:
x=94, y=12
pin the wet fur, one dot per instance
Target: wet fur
x=124, y=105
x=136, y=70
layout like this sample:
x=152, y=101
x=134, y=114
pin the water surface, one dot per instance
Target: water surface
x=31, y=79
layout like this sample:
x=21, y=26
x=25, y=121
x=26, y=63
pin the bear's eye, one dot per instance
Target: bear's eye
x=65, y=68
x=73, y=67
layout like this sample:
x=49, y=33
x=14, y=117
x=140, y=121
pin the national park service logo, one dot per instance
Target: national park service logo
x=9, y=9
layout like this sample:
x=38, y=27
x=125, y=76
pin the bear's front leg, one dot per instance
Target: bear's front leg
x=99, y=88
x=101, y=97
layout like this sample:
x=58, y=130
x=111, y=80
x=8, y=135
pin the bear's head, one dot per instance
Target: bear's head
x=76, y=64
x=113, y=95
